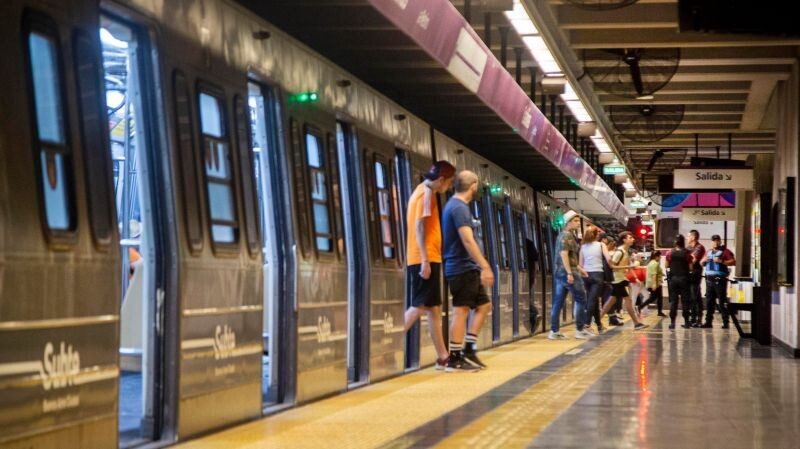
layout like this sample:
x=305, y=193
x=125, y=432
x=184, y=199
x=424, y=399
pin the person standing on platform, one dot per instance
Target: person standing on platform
x=717, y=261
x=679, y=260
x=468, y=275
x=568, y=276
x=697, y=251
x=620, y=263
x=591, y=260
x=655, y=277
x=424, y=254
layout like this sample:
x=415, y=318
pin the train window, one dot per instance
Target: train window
x=315, y=159
x=218, y=170
x=336, y=195
x=477, y=225
x=521, y=244
x=95, y=155
x=385, y=209
x=501, y=232
x=248, y=185
x=300, y=187
x=188, y=162
x=54, y=158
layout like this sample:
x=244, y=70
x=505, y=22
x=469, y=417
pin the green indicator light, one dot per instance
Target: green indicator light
x=574, y=182
x=495, y=189
x=304, y=97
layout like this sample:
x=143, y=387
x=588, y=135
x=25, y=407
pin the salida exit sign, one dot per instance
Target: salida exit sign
x=713, y=178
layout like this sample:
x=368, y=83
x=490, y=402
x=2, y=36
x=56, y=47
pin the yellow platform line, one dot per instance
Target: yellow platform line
x=377, y=414
x=517, y=422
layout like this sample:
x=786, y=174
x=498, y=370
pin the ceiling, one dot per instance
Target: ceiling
x=725, y=81
x=357, y=37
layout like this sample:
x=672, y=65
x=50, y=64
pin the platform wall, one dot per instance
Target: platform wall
x=785, y=319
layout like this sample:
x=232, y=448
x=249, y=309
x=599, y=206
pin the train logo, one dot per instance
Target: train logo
x=388, y=323
x=224, y=342
x=323, y=329
x=59, y=370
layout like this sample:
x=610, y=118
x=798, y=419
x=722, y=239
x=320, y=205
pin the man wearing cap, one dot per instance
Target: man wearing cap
x=716, y=262
x=568, y=276
x=424, y=253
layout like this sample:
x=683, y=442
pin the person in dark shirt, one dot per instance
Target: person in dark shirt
x=697, y=250
x=678, y=261
x=716, y=262
x=468, y=275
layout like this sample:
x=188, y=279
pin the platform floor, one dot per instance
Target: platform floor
x=698, y=388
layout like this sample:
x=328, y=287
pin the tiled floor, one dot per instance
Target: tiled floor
x=658, y=388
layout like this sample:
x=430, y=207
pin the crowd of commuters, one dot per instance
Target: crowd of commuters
x=602, y=275
x=603, y=271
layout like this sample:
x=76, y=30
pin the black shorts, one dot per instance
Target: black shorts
x=425, y=292
x=620, y=289
x=467, y=290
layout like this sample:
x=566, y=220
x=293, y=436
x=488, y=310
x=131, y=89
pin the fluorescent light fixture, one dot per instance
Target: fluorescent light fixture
x=601, y=146
x=569, y=93
x=544, y=59
x=520, y=20
x=579, y=111
x=628, y=185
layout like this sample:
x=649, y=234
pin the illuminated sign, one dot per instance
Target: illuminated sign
x=614, y=169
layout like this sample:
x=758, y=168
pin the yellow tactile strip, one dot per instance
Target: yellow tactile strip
x=379, y=413
x=517, y=422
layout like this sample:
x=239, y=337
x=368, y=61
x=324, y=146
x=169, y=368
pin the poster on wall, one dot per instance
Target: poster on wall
x=785, y=225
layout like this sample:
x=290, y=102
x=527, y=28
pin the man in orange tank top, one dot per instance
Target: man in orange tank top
x=424, y=254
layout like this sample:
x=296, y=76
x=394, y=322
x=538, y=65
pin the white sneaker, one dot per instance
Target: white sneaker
x=583, y=335
x=556, y=336
x=589, y=331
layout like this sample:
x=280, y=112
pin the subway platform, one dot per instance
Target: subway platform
x=656, y=388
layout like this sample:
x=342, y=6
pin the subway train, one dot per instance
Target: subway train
x=202, y=222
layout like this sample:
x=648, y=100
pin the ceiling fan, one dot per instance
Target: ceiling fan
x=631, y=72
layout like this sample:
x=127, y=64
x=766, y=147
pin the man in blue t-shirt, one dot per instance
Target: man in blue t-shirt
x=468, y=275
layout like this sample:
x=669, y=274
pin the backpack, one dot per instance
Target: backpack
x=608, y=273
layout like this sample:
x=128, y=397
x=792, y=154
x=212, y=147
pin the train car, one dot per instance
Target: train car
x=206, y=221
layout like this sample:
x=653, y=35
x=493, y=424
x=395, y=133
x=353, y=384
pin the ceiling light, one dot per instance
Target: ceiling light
x=520, y=20
x=544, y=59
x=645, y=97
x=628, y=185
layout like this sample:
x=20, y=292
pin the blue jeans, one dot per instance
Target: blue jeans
x=560, y=294
x=594, y=290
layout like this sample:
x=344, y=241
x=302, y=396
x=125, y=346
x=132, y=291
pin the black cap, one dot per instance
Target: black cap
x=716, y=237
x=440, y=169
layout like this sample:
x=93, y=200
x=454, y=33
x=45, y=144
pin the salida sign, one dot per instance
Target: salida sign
x=713, y=178
x=709, y=213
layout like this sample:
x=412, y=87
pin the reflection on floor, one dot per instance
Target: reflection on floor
x=695, y=388
x=130, y=405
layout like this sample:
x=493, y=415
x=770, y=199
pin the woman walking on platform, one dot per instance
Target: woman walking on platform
x=620, y=263
x=591, y=259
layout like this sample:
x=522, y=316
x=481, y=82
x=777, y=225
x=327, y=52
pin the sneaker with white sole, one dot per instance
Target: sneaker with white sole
x=441, y=364
x=458, y=364
x=583, y=335
x=640, y=326
x=556, y=336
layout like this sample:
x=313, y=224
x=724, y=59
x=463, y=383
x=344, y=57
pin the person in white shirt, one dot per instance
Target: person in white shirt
x=591, y=260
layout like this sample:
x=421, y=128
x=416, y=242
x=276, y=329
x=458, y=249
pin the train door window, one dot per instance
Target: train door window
x=218, y=169
x=320, y=202
x=53, y=155
x=245, y=158
x=126, y=88
x=521, y=247
x=383, y=186
x=96, y=157
x=264, y=141
x=501, y=233
x=477, y=225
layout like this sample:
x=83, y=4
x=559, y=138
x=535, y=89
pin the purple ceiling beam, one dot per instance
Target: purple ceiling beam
x=438, y=28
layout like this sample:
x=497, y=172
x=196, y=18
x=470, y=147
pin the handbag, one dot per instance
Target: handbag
x=608, y=273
